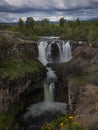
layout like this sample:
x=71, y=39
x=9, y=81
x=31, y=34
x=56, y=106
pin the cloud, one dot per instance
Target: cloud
x=8, y=17
x=15, y=5
x=11, y=10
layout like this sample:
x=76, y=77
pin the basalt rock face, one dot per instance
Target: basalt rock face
x=80, y=71
x=21, y=55
x=10, y=91
x=87, y=58
x=84, y=61
x=86, y=101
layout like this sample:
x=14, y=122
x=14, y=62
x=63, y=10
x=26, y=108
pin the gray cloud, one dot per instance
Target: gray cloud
x=15, y=5
x=11, y=10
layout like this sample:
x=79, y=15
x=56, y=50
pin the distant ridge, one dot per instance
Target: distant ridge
x=92, y=19
x=15, y=23
x=9, y=23
x=51, y=22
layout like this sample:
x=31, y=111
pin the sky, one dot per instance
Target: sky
x=12, y=10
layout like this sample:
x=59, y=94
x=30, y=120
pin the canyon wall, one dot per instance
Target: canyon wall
x=19, y=69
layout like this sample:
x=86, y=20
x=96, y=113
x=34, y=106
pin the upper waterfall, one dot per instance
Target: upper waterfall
x=42, y=52
x=54, y=50
x=66, y=52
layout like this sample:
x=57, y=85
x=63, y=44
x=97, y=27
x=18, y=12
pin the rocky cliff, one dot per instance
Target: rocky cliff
x=18, y=68
x=81, y=74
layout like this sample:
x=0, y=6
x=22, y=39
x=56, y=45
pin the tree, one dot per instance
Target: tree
x=93, y=33
x=20, y=23
x=45, y=22
x=62, y=22
x=21, y=26
x=77, y=21
x=30, y=22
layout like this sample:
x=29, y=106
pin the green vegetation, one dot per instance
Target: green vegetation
x=8, y=119
x=68, y=30
x=63, y=123
x=14, y=68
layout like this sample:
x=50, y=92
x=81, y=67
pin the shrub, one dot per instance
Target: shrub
x=63, y=123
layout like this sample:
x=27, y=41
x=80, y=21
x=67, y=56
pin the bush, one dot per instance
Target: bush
x=63, y=123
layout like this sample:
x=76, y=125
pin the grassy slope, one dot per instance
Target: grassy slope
x=14, y=68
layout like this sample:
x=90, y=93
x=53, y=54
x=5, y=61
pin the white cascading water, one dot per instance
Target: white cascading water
x=42, y=52
x=49, y=86
x=66, y=55
x=48, y=54
x=45, y=55
x=49, y=103
x=50, y=74
x=49, y=93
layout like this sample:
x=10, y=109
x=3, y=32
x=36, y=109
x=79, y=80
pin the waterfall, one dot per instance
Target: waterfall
x=45, y=53
x=60, y=46
x=42, y=52
x=49, y=86
x=49, y=93
x=49, y=104
x=45, y=57
x=48, y=54
x=50, y=74
x=65, y=52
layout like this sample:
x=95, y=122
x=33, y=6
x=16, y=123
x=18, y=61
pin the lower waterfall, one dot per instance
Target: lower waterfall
x=49, y=104
x=49, y=93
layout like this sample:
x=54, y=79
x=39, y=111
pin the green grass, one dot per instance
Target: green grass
x=13, y=68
